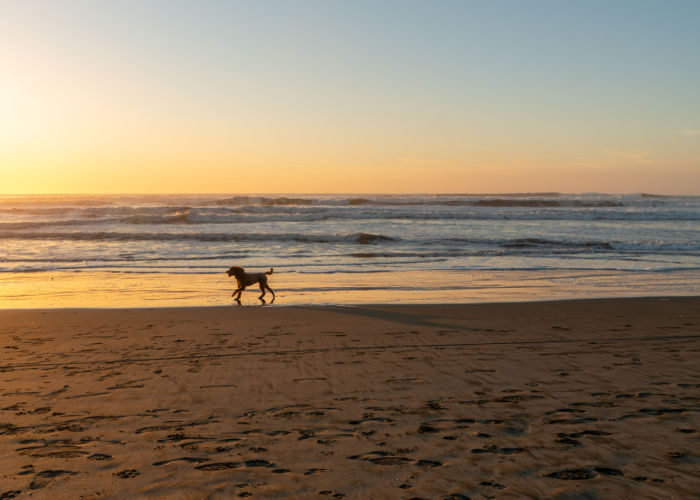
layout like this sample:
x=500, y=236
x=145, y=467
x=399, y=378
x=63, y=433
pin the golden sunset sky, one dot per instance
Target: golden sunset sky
x=360, y=96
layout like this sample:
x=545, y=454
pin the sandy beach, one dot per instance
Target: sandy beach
x=571, y=399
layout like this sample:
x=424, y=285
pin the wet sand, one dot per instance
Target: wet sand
x=574, y=399
x=64, y=289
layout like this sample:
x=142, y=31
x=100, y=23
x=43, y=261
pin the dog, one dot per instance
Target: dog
x=245, y=279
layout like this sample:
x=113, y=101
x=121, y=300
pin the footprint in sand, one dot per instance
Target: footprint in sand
x=99, y=456
x=331, y=493
x=181, y=459
x=258, y=463
x=127, y=473
x=61, y=454
x=313, y=472
x=57, y=392
x=572, y=474
x=572, y=421
x=563, y=439
x=219, y=466
x=28, y=469
x=501, y=451
x=387, y=458
x=578, y=474
x=429, y=463
x=492, y=484
x=608, y=471
x=565, y=410
x=371, y=419
x=43, y=478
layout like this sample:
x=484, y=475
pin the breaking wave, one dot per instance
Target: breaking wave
x=361, y=238
x=351, y=233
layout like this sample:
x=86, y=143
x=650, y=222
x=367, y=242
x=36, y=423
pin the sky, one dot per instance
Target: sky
x=361, y=96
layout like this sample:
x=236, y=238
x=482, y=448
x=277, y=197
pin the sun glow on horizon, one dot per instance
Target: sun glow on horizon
x=124, y=97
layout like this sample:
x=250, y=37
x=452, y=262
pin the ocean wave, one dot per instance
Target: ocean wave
x=514, y=200
x=361, y=238
x=123, y=258
x=543, y=246
x=345, y=269
x=49, y=204
x=571, y=203
x=26, y=213
x=261, y=200
x=252, y=215
x=501, y=202
x=540, y=242
x=651, y=195
x=386, y=245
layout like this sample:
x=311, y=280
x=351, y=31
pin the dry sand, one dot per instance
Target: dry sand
x=582, y=399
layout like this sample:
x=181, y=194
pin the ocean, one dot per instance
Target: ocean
x=143, y=250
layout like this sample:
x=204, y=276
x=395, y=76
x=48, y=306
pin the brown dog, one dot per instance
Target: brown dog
x=245, y=279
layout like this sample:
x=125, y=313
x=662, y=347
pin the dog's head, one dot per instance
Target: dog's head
x=235, y=271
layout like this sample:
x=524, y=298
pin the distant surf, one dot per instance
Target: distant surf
x=353, y=234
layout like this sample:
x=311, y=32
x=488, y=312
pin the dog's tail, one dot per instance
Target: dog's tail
x=269, y=272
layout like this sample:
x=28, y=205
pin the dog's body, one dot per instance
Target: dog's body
x=245, y=279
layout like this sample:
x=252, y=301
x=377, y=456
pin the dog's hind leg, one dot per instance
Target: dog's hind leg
x=262, y=289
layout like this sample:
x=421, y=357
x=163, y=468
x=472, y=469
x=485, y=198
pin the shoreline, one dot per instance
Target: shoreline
x=254, y=305
x=589, y=398
x=61, y=289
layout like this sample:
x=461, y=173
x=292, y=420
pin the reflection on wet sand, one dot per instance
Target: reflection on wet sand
x=86, y=289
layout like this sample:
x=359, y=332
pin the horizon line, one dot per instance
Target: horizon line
x=350, y=193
